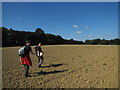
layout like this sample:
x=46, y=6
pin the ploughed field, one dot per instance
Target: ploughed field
x=65, y=66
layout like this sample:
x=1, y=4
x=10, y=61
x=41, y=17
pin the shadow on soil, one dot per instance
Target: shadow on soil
x=51, y=72
x=53, y=65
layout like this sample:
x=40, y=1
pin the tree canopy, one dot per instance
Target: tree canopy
x=12, y=37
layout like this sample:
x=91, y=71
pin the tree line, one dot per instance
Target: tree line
x=12, y=37
x=103, y=42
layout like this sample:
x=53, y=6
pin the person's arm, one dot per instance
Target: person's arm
x=42, y=51
x=20, y=59
x=38, y=52
x=34, y=50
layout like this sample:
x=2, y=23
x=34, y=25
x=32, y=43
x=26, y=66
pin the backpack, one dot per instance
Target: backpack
x=21, y=51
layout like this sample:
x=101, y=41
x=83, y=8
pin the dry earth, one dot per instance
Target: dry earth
x=65, y=66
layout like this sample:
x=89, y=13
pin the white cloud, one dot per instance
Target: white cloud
x=86, y=27
x=89, y=36
x=75, y=26
x=19, y=18
x=78, y=32
x=57, y=31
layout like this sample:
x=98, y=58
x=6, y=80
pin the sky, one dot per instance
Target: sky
x=71, y=20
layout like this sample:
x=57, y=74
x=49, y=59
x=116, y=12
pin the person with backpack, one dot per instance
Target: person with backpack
x=25, y=58
x=39, y=53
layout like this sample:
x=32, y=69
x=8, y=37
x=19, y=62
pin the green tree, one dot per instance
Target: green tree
x=40, y=36
x=4, y=36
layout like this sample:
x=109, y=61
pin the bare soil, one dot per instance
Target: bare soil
x=65, y=66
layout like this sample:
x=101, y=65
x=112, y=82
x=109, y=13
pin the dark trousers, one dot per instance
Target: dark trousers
x=26, y=68
x=40, y=60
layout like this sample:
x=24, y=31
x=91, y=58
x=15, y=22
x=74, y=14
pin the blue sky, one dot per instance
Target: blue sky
x=77, y=20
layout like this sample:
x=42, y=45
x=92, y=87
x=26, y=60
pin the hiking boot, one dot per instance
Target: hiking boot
x=27, y=76
x=39, y=66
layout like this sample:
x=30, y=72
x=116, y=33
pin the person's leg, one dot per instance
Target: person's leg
x=41, y=60
x=26, y=68
x=38, y=62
